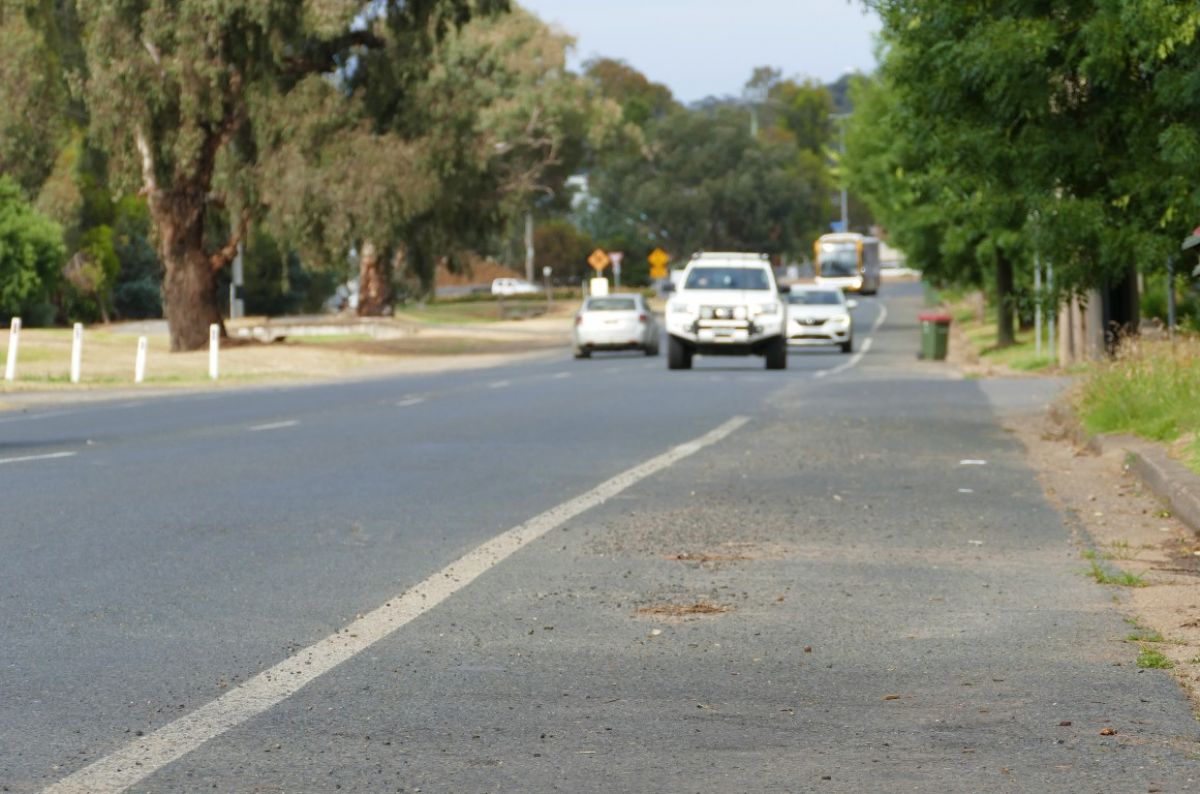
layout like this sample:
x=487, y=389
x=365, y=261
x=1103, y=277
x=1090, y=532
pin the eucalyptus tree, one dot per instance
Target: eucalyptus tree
x=177, y=88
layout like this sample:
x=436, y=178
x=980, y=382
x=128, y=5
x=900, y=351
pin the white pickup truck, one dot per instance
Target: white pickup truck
x=727, y=304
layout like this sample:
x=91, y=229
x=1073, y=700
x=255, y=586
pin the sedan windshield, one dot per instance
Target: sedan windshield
x=727, y=278
x=611, y=305
x=825, y=297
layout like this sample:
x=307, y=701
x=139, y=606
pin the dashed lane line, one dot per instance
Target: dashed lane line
x=274, y=426
x=31, y=458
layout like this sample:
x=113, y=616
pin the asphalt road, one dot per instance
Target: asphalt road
x=895, y=605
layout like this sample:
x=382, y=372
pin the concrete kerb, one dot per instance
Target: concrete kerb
x=1172, y=482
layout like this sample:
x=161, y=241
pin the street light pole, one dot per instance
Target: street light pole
x=840, y=118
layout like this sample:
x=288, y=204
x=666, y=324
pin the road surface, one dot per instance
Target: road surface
x=566, y=576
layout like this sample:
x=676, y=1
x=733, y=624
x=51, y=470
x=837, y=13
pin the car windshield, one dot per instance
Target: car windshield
x=612, y=305
x=825, y=297
x=727, y=278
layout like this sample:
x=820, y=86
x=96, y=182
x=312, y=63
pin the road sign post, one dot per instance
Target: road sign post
x=616, y=257
x=658, y=260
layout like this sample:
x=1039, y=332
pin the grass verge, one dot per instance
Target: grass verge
x=1150, y=659
x=1150, y=389
x=979, y=335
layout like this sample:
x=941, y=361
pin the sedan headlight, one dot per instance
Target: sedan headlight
x=842, y=319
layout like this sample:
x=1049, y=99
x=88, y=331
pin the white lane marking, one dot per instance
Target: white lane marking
x=560, y=376
x=863, y=350
x=146, y=755
x=499, y=384
x=966, y=490
x=857, y=357
x=274, y=426
x=28, y=458
x=972, y=463
x=408, y=402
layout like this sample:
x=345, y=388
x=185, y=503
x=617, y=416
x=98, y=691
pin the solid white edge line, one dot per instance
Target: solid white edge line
x=141, y=758
x=499, y=384
x=28, y=458
x=409, y=402
x=274, y=426
x=862, y=351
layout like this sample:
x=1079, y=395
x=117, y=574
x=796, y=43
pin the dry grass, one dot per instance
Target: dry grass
x=684, y=610
x=108, y=355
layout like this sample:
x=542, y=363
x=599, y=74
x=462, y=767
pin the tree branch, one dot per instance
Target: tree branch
x=322, y=56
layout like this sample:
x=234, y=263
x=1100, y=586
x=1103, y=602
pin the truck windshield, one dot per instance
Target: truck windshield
x=727, y=278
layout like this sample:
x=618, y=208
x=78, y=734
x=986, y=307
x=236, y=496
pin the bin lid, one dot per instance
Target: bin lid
x=941, y=318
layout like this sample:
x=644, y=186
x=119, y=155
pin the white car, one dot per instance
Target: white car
x=820, y=316
x=727, y=304
x=513, y=286
x=615, y=322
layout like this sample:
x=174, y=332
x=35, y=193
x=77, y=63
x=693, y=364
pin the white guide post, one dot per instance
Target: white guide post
x=76, y=352
x=214, y=347
x=14, y=341
x=139, y=365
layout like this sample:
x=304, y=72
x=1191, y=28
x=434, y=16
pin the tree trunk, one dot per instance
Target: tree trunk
x=1005, y=333
x=189, y=277
x=374, y=283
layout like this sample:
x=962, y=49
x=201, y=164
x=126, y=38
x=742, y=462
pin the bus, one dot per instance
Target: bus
x=849, y=261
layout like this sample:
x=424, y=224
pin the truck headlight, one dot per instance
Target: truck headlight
x=766, y=308
x=739, y=313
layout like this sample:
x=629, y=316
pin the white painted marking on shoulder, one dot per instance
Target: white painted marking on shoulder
x=972, y=463
x=141, y=758
x=408, y=402
x=560, y=376
x=274, y=426
x=499, y=384
x=966, y=490
x=862, y=350
x=29, y=458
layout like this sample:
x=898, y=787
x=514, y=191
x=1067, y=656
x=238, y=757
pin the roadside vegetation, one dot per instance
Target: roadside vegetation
x=1149, y=389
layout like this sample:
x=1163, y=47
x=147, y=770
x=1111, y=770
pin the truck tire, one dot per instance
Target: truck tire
x=776, y=353
x=678, y=355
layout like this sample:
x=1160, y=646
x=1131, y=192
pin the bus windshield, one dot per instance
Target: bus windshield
x=839, y=259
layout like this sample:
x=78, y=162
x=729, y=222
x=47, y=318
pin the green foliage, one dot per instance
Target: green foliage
x=702, y=182
x=278, y=283
x=137, y=293
x=1151, y=389
x=1150, y=659
x=563, y=248
x=641, y=101
x=997, y=129
x=31, y=252
x=89, y=277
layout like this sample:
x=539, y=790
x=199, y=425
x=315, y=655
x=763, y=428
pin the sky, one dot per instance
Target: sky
x=702, y=48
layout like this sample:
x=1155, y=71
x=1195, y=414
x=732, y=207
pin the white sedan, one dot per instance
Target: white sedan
x=820, y=316
x=615, y=322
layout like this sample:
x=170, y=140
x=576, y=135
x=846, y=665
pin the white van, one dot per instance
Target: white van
x=513, y=286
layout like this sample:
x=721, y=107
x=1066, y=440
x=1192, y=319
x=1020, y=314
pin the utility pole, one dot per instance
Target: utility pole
x=841, y=118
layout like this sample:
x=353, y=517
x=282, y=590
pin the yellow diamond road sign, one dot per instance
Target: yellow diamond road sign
x=598, y=260
x=658, y=263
